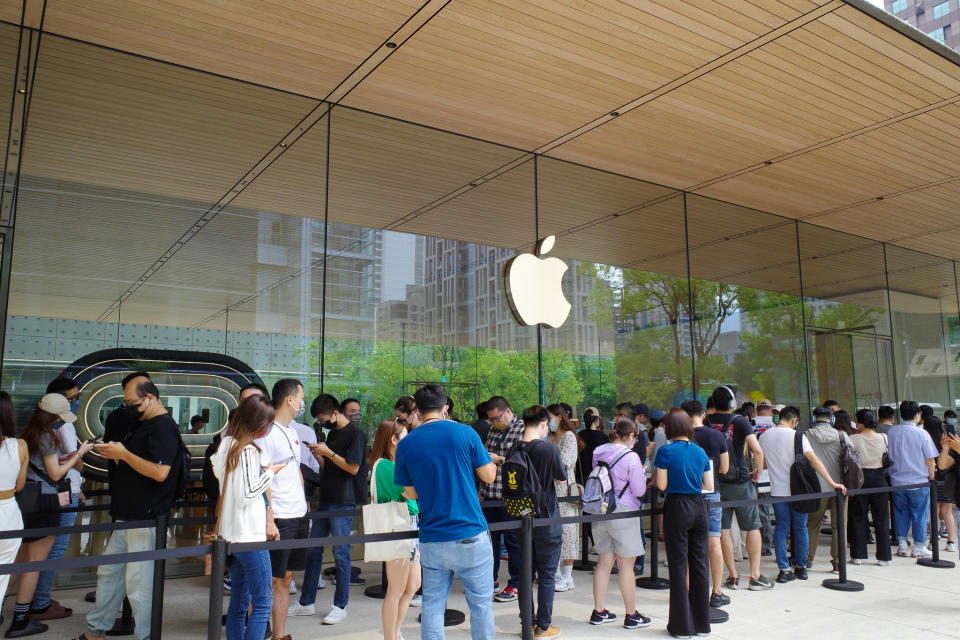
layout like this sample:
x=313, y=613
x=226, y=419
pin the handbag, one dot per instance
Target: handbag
x=62, y=486
x=387, y=517
x=803, y=479
x=851, y=464
x=885, y=460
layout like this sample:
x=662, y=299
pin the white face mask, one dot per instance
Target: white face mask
x=553, y=426
x=299, y=412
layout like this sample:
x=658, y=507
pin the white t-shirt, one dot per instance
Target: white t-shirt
x=282, y=444
x=69, y=444
x=307, y=436
x=777, y=445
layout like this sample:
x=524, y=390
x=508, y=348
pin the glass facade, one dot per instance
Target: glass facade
x=364, y=255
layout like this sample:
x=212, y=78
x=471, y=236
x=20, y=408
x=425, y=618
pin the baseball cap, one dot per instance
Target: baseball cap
x=656, y=414
x=641, y=409
x=779, y=407
x=58, y=405
x=764, y=403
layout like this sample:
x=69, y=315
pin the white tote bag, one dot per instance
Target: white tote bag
x=388, y=517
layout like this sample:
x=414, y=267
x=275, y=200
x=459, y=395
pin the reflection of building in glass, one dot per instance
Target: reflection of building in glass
x=939, y=19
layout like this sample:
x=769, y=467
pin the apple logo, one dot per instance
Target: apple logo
x=534, y=287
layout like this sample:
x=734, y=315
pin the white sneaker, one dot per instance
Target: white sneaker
x=951, y=547
x=921, y=552
x=297, y=609
x=293, y=587
x=561, y=585
x=322, y=584
x=883, y=563
x=856, y=561
x=336, y=615
x=416, y=601
x=903, y=550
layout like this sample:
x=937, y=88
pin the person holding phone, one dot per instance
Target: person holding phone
x=242, y=516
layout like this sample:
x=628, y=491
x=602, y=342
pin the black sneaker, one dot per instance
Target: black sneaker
x=509, y=594
x=800, y=573
x=760, y=584
x=786, y=576
x=635, y=620
x=732, y=583
x=718, y=600
x=602, y=617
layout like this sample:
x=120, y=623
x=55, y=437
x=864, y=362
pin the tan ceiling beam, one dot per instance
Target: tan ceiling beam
x=33, y=13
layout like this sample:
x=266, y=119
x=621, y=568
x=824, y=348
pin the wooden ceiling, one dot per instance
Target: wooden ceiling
x=824, y=111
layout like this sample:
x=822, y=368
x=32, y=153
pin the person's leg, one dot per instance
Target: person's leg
x=397, y=572
x=341, y=555
x=239, y=599
x=111, y=588
x=260, y=588
x=813, y=530
x=437, y=580
x=880, y=509
x=766, y=530
x=675, y=536
x=901, y=515
x=413, y=582
x=41, y=596
x=139, y=581
x=782, y=512
x=32, y=552
x=471, y=561
x=546, y=550
x=726, y=535
x=920, y=515
x=716, y=551
x=319, y=528
x=496, y=539
x=699, y=591
x=798, y=525
x=512, y=543
x=601, y=579
x=859, y=527
x=945, y=513
x=628, y=583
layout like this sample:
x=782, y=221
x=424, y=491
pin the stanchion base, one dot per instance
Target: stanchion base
x=584, y=565
x=938, y=564
x=332, y=571
x=835, y=585
x=451, y=618
x=377, y=591
x=121, y=628
x=718, y=616
x=91, y=596
x=653, y=583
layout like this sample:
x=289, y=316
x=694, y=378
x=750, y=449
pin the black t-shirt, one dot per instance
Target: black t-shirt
x=640, y=448
x=137, y=497
x=482, y=427
x=714, y=443
x=591, y=439
x=339, y=487
x=545, y=458
x=736, y=434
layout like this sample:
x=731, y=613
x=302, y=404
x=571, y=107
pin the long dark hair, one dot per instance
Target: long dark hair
x=841, y=422
x=563, y=424
x=38, y=427
x=8, y=417
x=381, y=439
x=252, y=419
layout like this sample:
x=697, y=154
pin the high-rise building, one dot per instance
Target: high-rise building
x=939, y=19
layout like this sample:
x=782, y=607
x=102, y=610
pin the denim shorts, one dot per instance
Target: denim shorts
x=713, y=519
x=415, y=542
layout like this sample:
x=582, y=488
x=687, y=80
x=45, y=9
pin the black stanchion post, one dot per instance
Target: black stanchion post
x=935, y=561
x=840, y=529
x=218, y=562
x=526, y=578
x=653, y=557
x=378, y=591
x=159, y=574
x=584, y=563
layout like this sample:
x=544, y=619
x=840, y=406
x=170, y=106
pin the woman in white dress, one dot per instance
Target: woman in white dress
x=564, y=435
x=13, y=475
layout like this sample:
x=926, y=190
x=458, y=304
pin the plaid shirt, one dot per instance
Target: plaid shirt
x=500, y=443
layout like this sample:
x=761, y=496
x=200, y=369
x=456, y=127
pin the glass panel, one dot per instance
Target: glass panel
x=745, y=287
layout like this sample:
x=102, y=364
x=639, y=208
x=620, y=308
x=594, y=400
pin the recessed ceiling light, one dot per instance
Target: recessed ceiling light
x=21, y=90
x=614, y=113
x=768, y=162
x=391, y=45
x=283, y=145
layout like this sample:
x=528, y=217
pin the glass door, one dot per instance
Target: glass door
x=852, y=366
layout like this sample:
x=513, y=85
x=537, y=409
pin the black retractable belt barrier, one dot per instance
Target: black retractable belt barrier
x=218, y=563
x=935, y=561
x=841, y=583
x=526, y=578
x=654, y=581
x=159, y=574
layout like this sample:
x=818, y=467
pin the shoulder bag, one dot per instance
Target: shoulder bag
x=885, y=460
x=851, y=464
x=803, y=479
x=388, y=517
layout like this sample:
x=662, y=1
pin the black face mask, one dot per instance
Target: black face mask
x=355, y=419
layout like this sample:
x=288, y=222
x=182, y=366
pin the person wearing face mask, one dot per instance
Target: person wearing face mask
x=405, y=411
x=343, y=459
x=287, y=504
x=143, y=486
x=570, y=444
x=43, y=607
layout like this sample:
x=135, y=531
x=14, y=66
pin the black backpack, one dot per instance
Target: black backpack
x=182, y=469
x=803, y=478
x=522, y=492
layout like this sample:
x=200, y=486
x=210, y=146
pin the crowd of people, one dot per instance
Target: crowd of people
x=272, y=477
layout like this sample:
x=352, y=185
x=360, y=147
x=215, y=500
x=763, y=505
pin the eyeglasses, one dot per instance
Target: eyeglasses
x=132, y=404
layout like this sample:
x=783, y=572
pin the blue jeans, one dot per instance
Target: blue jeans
x=788, y=519
x=472, y=561
x=546, y=557
x=251, y=583
x=912, y=506
x=134, y=580
x=508, y=539
x=41, y=597
x=321, y=528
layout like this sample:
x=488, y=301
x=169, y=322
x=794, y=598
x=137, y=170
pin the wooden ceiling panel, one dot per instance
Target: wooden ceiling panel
x=10, y=10
x=107, y=119
x=526, y=73
x=303, y=46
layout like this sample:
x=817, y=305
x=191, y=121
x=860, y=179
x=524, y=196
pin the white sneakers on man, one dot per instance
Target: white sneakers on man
x=336, y=615
x=564, y=584
x=297, y=609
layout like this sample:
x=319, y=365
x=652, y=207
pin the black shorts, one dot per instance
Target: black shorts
x=284, y=560
x=48, y=516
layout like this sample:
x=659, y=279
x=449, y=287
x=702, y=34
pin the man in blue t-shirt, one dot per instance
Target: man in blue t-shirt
x=436, y=462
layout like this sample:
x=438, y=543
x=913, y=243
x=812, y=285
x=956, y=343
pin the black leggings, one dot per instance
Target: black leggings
x=879, y=505
x=685, y=534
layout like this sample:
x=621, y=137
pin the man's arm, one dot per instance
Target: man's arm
x=321, y=450
x=931, y=467
x=273, y=533
x=116, y=451
x=487, y=473
x=724, y=463
x=757, y=452
x=409, y=493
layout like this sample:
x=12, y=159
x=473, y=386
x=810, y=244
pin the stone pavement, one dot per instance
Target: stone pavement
x=901, y=601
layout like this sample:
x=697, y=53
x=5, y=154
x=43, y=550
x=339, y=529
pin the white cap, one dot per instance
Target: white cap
x=59, y=405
